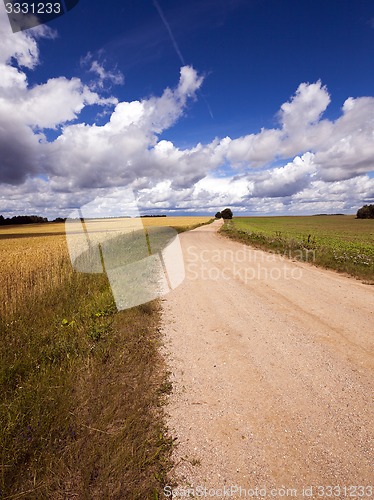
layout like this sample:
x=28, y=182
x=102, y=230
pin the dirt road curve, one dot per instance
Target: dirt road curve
x=272, y=370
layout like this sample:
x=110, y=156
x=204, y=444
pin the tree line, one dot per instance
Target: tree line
x=22, y=219
x=26, y=219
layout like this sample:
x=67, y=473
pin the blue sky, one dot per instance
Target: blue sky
x=263, y=105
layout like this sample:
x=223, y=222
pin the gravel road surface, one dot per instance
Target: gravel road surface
x=272, y=371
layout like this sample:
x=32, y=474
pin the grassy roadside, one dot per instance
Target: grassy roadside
x=332, y=242
x=182, y=229
x=82, y=385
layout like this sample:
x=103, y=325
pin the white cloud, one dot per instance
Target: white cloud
x=305, y=107
x=47, y=105
x=126, y=148
x=324, y=161
x=104, y=76
x=345, y=195
x=22, y=46
x=350, y=149
x=115, y=77
x=285, y=181
x=189, y=82
x=255, y=149
x=301, y=130
x=343, y=149
x=56, y=102
x=24, y=111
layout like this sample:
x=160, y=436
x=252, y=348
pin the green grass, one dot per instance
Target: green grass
x=343, y=243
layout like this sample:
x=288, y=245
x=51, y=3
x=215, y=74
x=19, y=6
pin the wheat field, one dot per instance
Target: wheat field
x=82, y=384
x=35, y=257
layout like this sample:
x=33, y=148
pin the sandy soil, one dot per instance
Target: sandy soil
x=272, y=371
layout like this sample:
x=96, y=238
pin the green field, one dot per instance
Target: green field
x=339, y=242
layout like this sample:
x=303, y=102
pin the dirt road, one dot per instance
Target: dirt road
x=272, y=371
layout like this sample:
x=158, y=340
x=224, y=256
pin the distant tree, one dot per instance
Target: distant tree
x=218, y=215
x=226, y=214
x=60, y=219
x=366, y=212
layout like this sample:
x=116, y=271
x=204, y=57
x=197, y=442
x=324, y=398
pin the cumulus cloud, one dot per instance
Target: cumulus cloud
x=25, y=112
x=22, y=47
x=301, y=164
x=18, y=144
x=54, y=103
x=254, y=150
x=343, y=149
x=349, y=151
x=126, y=147
x=19, y=151
x=301, y=129
x=22, y=50
x=285, y=181
x=305, y=108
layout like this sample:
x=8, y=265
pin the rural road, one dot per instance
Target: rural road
x=272, y=369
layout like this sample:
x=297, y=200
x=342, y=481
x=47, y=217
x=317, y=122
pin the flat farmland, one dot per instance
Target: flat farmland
x=52, y=228
x=81, y=384
x=338, y=242
x=35, y=257
x=184, y=221
x=84, y=386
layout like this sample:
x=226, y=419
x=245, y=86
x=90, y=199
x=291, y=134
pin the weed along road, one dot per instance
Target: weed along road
x=272, y=372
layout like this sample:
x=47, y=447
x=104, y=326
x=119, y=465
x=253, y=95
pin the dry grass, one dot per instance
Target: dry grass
x=124, y=225
x=185, y=221
x=82, y=385
x=31, y=267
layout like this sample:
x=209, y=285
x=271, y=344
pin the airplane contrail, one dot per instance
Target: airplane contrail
x=167, y=26
x=176, y=47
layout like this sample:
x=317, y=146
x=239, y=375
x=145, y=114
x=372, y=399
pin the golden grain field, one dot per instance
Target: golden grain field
x=175, y=221
x=35, y=258
x=81, y=384
x=32, y=266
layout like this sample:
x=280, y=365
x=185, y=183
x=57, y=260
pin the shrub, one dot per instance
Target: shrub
x=366, y=212
x=226, y=214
